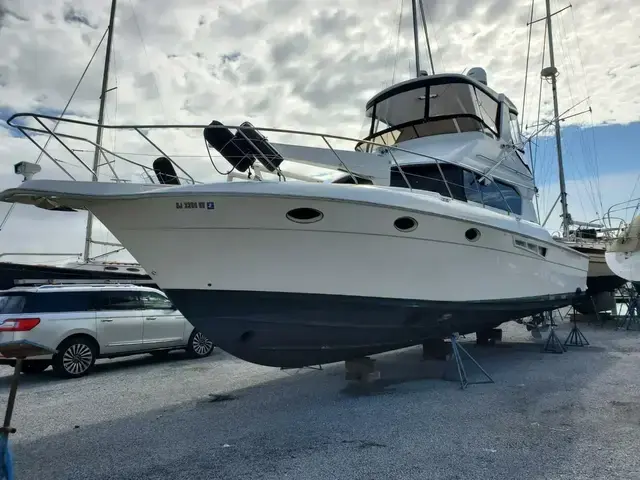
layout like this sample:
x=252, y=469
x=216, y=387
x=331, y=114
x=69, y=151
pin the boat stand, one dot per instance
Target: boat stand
x=575, y=338
x=19, y=350
x=553, y=343
x=462, y=373
x=631, y=319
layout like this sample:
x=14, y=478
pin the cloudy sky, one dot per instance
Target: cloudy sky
x=309, y=65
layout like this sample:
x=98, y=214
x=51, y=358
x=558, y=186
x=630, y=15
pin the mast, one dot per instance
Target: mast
x=414, y=8
x=103, y=95
x=552, y=72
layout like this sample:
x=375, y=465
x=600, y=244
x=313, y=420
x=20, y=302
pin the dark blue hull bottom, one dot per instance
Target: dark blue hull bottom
x=296, y=330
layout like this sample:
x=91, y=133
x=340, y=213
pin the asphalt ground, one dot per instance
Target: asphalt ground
x=569, y=416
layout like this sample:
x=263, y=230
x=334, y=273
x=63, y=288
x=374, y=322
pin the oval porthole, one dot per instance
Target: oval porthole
x=305, y=215
x=405, y=224
x=131, y=269
x=473, y=234
x=113, y=269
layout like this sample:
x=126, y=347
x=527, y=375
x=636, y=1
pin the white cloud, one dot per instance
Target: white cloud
x=298, y=64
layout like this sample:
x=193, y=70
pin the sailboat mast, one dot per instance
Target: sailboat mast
x=103, y=97
x=552, y=72
x=414, y=7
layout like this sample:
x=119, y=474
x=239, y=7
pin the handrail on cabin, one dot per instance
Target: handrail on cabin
x=138, y=129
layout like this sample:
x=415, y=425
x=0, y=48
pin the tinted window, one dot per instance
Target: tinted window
x=118, y=300
x=429, y=177
x=56, y=302
x=155, y=300
x=45, y=302
x=12, y=303
x=492, y=194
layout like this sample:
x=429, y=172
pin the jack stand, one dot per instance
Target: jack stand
x=553, y=343
x=462, y=374
x=576, y=338
x=631, y=319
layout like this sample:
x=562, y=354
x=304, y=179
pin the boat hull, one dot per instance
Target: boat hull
x=283, y=293
x=600, y=278
x=295, y=330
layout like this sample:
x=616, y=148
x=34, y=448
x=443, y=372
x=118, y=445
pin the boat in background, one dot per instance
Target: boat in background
x=623, y=254
x=13, y=273
x=585, y=237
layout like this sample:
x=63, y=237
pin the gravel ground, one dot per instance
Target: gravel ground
x=573, y=416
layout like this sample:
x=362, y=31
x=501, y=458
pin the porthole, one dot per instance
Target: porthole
x=473, y=234
x=405, y=224
x=131, y=269
x=111, y=268
x=305, y=215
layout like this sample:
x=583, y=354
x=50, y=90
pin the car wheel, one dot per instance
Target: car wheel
x=199, y=346
x=75, y=357
x=34, y=366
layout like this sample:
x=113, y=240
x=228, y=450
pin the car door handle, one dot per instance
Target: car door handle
x=106, y=320
x=151, y=318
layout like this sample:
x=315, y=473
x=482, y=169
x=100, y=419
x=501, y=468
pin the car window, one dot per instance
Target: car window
x=57, y=302
x=118, y=300
x=11, y=303
x=154, y=300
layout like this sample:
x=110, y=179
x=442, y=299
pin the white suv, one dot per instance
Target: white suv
x=86, y=322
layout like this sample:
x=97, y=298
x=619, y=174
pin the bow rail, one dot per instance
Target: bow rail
x=32, y=125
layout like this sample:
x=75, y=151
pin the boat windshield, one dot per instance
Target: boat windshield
x=431, y=107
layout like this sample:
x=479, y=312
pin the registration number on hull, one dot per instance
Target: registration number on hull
x=192, y=205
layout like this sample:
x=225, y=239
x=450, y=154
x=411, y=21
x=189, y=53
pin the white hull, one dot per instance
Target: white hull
x=279, y=293
x=247, y=243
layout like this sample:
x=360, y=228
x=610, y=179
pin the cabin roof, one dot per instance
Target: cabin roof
x=439, y=79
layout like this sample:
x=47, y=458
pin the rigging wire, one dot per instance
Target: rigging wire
x=434, y=37
x=395, y=62
x=592, y=129
x=591, y=191
x=8, y=214
x=146, y=53
x=526, y=68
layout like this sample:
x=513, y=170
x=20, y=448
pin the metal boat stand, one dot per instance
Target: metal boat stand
x=576, y=338
x=19, y=350
x=553, y=343
x=462, y=373
x=631, y=319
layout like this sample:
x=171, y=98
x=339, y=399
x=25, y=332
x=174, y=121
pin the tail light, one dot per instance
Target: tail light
x=19, y=324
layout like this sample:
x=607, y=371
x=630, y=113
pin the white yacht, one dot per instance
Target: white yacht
x=427, y=229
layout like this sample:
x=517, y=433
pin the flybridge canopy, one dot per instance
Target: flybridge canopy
x=436, y=105
x=441, y=79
